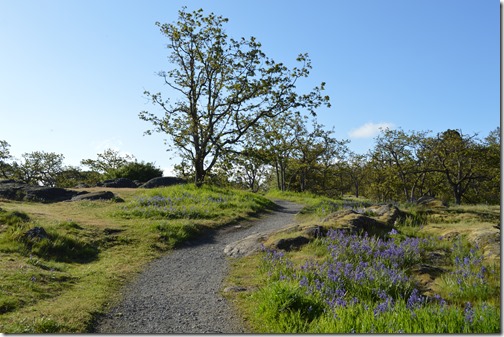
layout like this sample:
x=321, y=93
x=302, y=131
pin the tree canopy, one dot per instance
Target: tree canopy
x=224, y=87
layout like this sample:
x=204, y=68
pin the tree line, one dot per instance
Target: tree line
x=47, y=168
x=402, y=165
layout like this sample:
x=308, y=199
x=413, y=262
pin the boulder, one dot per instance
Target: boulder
x=102, y=195
x=47, y=194
x=390, y=214
x=163, y=181
x=119, y=183
x=24, y=192
x=12, y=190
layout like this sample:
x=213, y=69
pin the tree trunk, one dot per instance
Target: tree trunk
x=199, y=174
x=457, y=194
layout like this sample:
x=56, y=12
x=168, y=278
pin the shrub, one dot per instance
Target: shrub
x=135, y=171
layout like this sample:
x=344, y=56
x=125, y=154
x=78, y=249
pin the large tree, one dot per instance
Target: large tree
x=222, y=87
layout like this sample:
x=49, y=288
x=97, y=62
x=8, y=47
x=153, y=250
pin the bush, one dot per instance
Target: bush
x=136, y=171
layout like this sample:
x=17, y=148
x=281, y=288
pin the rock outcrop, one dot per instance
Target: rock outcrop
x=24, y=192
x=19, y=191
x=102, y=195
x=163, y=181
x=349, y=220
x=245, y=246
x=119, y=183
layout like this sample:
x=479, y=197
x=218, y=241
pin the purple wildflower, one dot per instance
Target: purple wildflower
x=415, y=300
x=469, y=313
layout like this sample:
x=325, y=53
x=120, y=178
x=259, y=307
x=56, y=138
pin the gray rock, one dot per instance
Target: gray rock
x=163, y=181
x=119, y=183
x=291, y=243
x=245, y=246
x=47, y=194
x=36, y=233
x=102, y=195
x=316, y=232
x=24, y=192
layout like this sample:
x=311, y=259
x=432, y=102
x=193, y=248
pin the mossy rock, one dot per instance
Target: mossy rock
x=354, y=222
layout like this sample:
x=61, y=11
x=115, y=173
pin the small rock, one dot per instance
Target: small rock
x=37, y=233
x=291, y=243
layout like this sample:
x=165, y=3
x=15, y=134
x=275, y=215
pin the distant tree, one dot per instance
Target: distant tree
x=488, y=190
x=141, y=171
x=277, y=138
x=107, y=161
x=39, y=168
x=459, y=158
x=72, y=176
x=494, y=137
x=250, y=168
x=400, y=152
x=316, y=152
x=184, y=170
x=5, y=157
x=250, y=171
x=355, y=168
x=226, y=86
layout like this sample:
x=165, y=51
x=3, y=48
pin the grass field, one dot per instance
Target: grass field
x=59, y=280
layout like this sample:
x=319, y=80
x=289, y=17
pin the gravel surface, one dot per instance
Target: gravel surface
x=180, y=292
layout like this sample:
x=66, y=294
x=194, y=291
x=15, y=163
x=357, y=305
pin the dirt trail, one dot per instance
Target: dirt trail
x=179, y=293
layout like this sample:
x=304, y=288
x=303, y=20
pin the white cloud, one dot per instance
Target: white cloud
x=369, y=130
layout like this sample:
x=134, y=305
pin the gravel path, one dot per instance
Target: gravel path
x=179, y=293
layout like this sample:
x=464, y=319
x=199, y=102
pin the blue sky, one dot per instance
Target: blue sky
x=73, y=72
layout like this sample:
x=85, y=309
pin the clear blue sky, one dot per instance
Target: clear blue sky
x=72, y=73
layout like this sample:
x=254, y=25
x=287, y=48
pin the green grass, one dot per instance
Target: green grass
x=316, y=290
x=318, y=206
x=293, y=299
x=189, y=202
x=285, y=308
x=61, y=282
